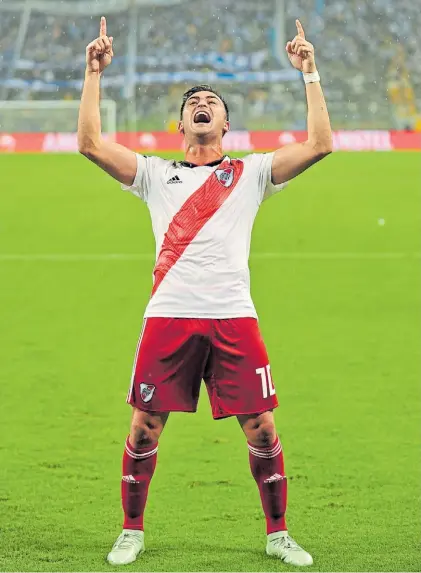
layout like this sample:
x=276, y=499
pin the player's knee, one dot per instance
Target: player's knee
x=146, y=428
x=265, y=435
x=142, y=435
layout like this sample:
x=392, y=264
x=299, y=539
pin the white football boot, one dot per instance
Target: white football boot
x=130, y=543
x=281, y=545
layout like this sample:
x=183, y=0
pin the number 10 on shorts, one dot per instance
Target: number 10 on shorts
x=267, y=386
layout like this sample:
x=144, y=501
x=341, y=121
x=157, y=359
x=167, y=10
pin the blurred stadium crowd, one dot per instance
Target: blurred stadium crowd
x=368, y=53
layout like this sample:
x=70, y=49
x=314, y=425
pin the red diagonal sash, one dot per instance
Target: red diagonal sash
x=194, y=214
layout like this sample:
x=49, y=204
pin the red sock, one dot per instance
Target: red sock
x=267, y=467
x=138, y=468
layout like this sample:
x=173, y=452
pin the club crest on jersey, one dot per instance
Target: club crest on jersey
x=225, y=176
x=146, y=392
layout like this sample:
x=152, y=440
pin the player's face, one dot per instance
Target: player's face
x=204, y=114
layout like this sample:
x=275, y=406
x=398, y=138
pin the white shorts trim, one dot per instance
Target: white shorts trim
x=139, y=342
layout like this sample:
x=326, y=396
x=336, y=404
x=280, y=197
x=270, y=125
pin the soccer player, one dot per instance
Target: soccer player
x=200, y=322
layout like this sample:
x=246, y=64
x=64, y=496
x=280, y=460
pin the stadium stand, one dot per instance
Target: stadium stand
x=367, y=51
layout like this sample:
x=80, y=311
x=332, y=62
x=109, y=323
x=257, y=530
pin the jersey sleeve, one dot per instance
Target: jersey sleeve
x=142, y=182
x=264, y=166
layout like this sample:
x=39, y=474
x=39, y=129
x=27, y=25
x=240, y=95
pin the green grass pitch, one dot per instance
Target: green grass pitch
x=338, y=296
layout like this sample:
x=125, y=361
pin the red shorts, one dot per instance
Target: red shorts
x=174, y=355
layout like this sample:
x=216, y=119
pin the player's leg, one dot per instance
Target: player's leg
x=167, y=374
x=267, y=467
x=239, y=383
x=139, y=462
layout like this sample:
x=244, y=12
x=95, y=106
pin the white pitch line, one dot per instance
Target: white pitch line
x=335, y=256
x=76, y=257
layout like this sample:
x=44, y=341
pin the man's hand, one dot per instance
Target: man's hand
x=99, y=53
x=300, y=52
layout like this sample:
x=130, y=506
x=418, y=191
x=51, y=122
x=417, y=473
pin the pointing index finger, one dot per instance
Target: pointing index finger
x=103, y=27
x=300, y=29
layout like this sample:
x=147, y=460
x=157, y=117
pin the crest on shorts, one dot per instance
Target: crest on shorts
x=146, y=392
x=225, y=176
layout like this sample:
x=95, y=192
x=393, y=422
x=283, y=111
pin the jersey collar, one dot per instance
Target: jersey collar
x=212, y=164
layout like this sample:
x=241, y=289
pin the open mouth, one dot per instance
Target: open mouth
x=202, y=117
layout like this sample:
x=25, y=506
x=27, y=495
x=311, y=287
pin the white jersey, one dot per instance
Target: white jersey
x=203, y=233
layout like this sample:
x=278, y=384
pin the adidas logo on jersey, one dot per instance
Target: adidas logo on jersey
x=175, y=179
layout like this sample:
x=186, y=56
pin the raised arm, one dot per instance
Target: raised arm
x=293, y=159
x=113, y=158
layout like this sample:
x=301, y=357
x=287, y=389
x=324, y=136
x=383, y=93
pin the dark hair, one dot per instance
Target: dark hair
x=202, y=88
